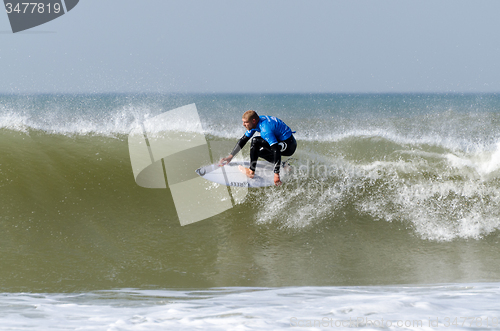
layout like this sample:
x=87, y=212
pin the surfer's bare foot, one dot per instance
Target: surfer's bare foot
x=249, y=173
x=277, y=180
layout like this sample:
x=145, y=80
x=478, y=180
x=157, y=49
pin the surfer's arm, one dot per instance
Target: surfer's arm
x=239, y=145
x=236, y=149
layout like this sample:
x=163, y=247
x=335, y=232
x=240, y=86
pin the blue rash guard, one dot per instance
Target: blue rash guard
x=274, y=132
x=272, y=129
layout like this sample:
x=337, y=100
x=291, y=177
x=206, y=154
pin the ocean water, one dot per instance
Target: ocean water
x=392, y=213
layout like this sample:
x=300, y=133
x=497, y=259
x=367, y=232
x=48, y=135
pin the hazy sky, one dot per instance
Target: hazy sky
x=257, y=46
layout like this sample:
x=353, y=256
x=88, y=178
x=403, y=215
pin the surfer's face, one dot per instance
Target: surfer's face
x=249, y=124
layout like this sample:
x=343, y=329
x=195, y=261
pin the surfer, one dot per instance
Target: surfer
x=276, y=139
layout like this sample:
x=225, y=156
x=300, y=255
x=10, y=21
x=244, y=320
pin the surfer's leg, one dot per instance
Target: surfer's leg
x=259, y=148
x=288, y=146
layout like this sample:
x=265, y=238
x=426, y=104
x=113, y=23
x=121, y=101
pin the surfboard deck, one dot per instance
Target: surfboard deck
x=230, y=175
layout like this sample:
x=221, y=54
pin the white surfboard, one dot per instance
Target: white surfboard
x=230, y=175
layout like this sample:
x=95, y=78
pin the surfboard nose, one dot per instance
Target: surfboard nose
x=201, y=171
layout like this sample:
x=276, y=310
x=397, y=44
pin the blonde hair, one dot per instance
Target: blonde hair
x=250, y=115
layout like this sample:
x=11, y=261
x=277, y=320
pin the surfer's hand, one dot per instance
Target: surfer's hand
x=277, y=180
x=225, y=160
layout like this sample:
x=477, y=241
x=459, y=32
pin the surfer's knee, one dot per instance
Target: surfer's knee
x=256, y=142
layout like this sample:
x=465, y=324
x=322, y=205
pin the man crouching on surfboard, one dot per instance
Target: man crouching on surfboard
x=275, y=139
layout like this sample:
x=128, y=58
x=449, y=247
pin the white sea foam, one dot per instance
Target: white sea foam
x=439, y=201
x=115, y=122
x=122, y=119
x=13, y=121
x=485, y=163
x=454, y=306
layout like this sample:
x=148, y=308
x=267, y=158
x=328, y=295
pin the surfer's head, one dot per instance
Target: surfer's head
x=250, y=119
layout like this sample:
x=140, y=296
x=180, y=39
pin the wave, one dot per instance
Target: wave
x=420, y=122
x=115, y=123
x=438, y=193
x=379, y=185
x=121, y=122
x=435, y=172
